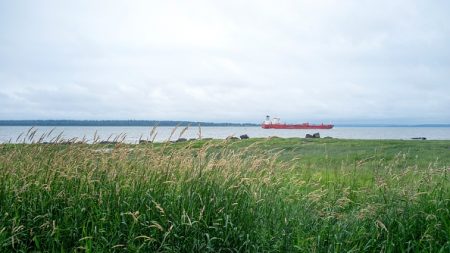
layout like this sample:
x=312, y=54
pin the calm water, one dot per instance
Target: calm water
x=133, y=134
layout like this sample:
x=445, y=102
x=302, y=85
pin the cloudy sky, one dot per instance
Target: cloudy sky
x=345, y=61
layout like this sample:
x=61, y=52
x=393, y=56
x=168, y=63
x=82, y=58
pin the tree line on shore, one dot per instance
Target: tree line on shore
x=113, y=123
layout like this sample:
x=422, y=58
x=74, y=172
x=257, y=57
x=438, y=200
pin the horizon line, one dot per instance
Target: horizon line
x=104, y=122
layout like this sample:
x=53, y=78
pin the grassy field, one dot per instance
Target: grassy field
x=256, y=195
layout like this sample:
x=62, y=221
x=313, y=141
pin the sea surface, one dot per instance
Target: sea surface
x=134, y=134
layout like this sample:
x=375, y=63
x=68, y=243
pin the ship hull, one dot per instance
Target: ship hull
x=296, y=126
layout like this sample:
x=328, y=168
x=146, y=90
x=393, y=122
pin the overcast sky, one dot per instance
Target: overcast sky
x=226, y=61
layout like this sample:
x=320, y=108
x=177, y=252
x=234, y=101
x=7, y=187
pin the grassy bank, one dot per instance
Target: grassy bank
x=279, y=195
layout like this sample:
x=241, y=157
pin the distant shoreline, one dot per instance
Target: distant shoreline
x=140, y=123
x=392, y=125
x=169, y=123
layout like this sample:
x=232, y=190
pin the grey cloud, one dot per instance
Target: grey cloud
x=226, y=61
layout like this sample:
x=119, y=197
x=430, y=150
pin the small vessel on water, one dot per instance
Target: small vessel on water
x=276, y=124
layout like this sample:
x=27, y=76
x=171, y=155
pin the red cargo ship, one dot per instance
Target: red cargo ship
x=275, y=124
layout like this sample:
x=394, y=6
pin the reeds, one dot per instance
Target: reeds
x=218, y=196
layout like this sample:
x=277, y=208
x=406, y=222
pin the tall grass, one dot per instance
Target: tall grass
x=208, y=196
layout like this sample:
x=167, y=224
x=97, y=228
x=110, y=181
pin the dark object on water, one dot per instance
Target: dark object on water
x=108, y=142
x=419, y=138
x=244, y=136
x=315, y=135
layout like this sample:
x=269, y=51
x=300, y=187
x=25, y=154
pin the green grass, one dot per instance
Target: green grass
x=257, y=195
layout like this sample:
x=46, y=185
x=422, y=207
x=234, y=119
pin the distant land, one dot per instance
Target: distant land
x=151, y=123
x=392, y=125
